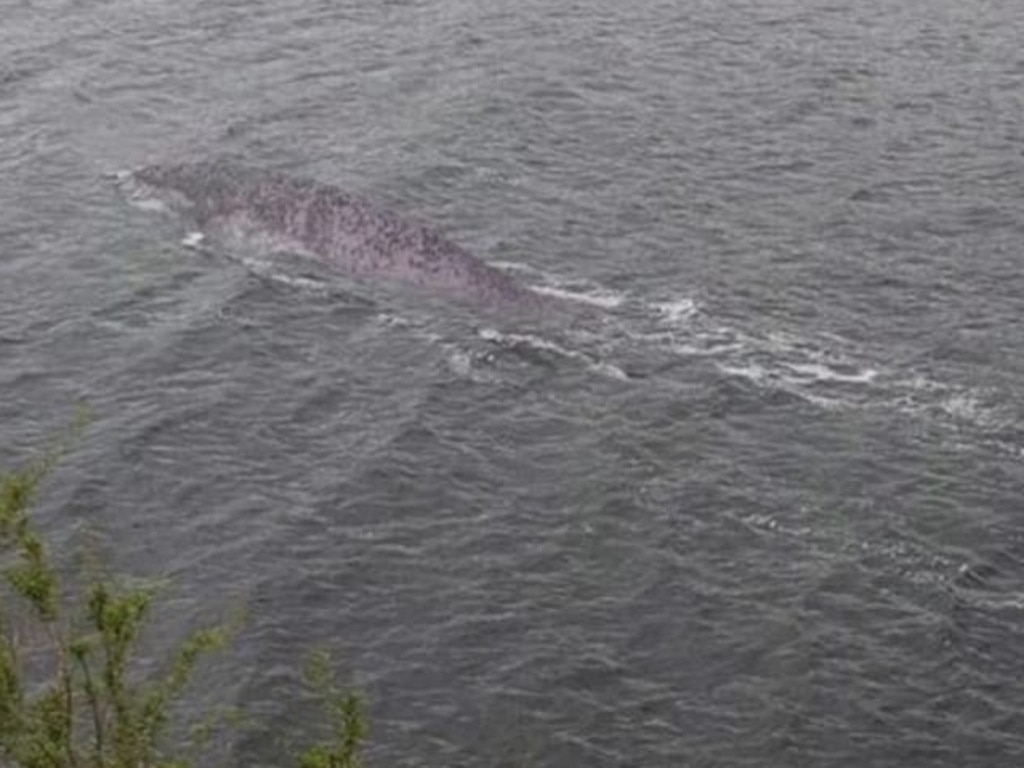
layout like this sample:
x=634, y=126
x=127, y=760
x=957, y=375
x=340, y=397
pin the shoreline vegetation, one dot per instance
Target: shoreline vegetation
x=70, y=696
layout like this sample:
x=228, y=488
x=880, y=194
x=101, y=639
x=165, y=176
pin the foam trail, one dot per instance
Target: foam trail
x=266, y=271
x=822, y=372
x=193, y=240
x=597, y=298
x=677, y=310
x=512, y=340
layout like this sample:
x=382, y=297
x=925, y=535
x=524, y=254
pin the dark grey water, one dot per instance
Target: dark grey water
x=794, y=537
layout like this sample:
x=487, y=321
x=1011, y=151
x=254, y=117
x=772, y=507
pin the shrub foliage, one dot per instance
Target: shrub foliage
x=68, y=698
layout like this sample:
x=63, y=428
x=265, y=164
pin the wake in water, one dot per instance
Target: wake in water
x=624, y=338
x=824, y=370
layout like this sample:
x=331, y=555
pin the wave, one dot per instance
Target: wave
x=824, y=370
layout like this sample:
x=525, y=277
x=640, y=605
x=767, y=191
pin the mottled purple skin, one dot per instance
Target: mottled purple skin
x=246, y=205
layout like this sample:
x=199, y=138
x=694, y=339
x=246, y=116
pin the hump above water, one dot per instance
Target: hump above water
x=320, y=220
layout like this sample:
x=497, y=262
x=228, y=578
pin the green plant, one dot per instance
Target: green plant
x=68, y=698
x=80, y=708
x=346, y=715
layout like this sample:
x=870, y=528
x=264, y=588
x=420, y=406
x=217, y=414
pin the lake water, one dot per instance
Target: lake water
x=759, y=504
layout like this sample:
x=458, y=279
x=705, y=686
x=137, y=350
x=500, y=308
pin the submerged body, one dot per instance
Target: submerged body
x=245, y=207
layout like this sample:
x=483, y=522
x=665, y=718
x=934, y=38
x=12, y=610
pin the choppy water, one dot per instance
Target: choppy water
x=762, y=508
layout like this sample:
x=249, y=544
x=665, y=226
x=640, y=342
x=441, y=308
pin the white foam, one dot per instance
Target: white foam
x=707, y=342
x=599, y=298
x=979, y=407
x=820, y=368
x=305, y=283
x=684, y=349
x=1009, y=602
x=265, y=271
x=609, y=370
x=546, y=345
x=193, y=239
x=527, y=339
x=751, y=371
x=676, y=310
x=964, y=406
x=774, y=378
x=924, y=384
x=151, y=204
x=460, y=362
x=823, y=372
x=560, y=287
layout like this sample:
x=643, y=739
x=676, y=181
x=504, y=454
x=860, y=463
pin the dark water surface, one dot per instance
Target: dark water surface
x=762, y=505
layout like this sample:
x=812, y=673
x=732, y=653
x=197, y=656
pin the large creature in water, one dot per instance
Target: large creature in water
x=243, y=208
